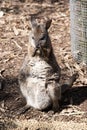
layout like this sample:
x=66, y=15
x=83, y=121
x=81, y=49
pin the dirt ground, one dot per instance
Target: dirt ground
x=14, y=32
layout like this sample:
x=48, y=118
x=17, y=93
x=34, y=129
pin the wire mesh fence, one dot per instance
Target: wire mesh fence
x=78, y=16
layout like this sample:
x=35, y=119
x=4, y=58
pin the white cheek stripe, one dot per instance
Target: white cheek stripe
x=33, y=43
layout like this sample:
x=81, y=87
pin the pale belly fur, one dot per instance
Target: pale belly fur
x=35, y=93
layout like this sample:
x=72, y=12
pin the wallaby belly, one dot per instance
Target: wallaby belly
x=34, y=87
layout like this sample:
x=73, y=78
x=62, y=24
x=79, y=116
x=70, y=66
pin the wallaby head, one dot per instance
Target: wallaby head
x=39, y=38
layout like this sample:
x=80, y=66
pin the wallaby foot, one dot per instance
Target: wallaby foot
x=23, y=110
x=56, y=106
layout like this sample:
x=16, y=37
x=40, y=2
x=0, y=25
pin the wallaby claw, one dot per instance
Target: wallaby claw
x=54, y=77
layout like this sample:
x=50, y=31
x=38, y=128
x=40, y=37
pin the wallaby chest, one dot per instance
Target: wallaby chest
x=39, y=68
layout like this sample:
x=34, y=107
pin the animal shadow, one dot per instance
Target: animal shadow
x=9, y=86
x=10, y=92
x=75, y=96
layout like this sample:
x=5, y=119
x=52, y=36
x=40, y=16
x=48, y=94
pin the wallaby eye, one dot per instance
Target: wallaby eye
x=42, y=38
x=33, y=38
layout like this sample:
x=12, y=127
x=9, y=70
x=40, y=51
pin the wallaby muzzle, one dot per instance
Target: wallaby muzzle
x=38, y=47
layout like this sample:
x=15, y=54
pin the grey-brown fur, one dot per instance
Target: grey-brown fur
x=40, y=72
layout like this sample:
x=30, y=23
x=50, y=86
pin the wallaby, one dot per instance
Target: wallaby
x=40, y=72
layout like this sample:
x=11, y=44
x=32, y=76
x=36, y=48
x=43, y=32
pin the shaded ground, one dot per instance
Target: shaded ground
x=14, y=31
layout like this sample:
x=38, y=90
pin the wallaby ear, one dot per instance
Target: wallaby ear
x=33, y=22
x=48, y=23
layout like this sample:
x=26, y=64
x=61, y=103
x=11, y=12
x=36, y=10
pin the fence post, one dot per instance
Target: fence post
x=78, y=18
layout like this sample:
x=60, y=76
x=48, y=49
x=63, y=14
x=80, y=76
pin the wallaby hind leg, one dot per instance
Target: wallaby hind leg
x=54, y=91
x=66, y=86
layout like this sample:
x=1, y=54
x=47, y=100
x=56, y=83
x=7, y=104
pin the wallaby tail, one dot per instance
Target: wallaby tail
x=68, y=84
